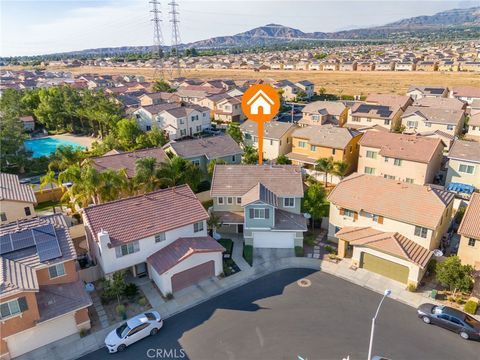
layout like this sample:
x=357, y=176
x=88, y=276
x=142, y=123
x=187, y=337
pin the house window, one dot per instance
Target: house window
x=348, y=213
x=386, y=122
x=369, y=119
x=229, y=200
x=56, y=271
x=127, y=249
x=148, y=127
x=468, y=169
x=160, y=237
x=183, y=132
x=3, y=216
x=409, y=180
x=428, y=124
x=198, y=226
x=397, y=162
x=289, y=202
x=234, y=158
x=302, y=144
x=220, y=200
x=386, y=158
x=271, y=142
x=199, y=128
x=471, y=242
x=356, y=119
x=182, y=121
x=248, y=136
x=369, y=170
x=196, y=162
x=334, y=151
x=375, y=218
x=371, y=154
x=239, y=200
x=12, y=307
x=421, y=231
x=315, y=117
x=259, y=213
x=313, y=148
x=412, y=124
x=450, y=127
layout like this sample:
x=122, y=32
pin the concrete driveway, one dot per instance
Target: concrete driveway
x=276, y=318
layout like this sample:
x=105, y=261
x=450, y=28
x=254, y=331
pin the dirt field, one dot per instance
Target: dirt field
x=337, y=82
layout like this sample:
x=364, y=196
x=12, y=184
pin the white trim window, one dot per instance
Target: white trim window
x=467, y=169
x=421, y=231
x=127, y=249
x=229, y=200
x=220, y=200
x=348, y=213
x=160, y=237
x=198, y=226
x=13, y=307
x=259, y=213
x=289, y=202
x=371, y=154
x=56, y=271
x=239, y=200
x=369, y=170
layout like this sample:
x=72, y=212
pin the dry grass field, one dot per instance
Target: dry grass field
x=337, y=82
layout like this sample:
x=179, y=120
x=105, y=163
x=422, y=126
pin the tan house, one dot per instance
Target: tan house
x=366, y=116
x=277, y=137
x=229, y=110
x=158, y=98
x=418, y=119
x=324, y=112
x=16, y=200
x=366, y=66
x=385, y=66
x=42, y=299
x=388, y=227
x=407, y=158
x=427, y=66
x=405, y=66
x=466, y=93
x=464, y=164
x=469, y=248
x=348, y=66
x=440, y=103
x=419, y=92
x=448, y=65
x=311, y=143
x=474, y=127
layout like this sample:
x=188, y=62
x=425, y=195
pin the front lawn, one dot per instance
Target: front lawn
x=47, y=205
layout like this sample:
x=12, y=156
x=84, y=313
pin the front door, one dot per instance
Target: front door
x=240, y=228
x=141, y=269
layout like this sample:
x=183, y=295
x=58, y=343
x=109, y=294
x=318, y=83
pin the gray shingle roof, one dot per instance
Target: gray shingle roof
x=326, y=135
x=435, y=115
x=465, y=150
x=271, y=130
x=213, y=147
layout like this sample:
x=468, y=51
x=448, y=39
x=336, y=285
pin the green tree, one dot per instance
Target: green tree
x=64, y=156
x=146, y=174
x=13, y=155
x=179, y=171
x=213, y=223
x=283, y=160
x=127, y=132
x=162, y=86
x=152, y=138
x=235, y=133
x=11, y=103
x=211, y=165
x=112, y=185
x=250, y=155
x=340, y=168
x=452, y=274
x=325, y=165
x=115, y=287
x=315, y=202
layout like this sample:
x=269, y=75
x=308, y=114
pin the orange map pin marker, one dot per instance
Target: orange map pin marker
x=260, y=103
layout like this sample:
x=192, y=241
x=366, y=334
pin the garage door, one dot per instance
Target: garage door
x=384, y=267
x=193, y=275
x=273, y=239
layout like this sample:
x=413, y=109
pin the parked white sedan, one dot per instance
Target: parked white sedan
x=132, y=330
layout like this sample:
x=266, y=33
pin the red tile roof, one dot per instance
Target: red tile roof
x=11, y=189
x=139, y=217
x=182, y=248
x=470, y=225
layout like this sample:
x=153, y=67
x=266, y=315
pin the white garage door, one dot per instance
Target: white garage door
x=273, y=239
x=42, y=334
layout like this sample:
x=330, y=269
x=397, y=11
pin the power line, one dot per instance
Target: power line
x=175, y=35
x=157, y=51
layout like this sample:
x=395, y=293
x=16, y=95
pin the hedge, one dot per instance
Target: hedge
x=298, y=251
x=248, y=254
x=471, y=307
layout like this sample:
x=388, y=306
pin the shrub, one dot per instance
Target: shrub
x=309, y=239
x=131, y=290
x=298, y=251
x=142, y=301
x=248, y=254
x=412, y=287
x=169, y=296
x=431, y=266
x=459, y=300
x=451, y=298
x=83, y=333
x=330, y=249
x=226, y=270
x=471, y=307
x=452, y=274
x=203, y=186
x=120, y=309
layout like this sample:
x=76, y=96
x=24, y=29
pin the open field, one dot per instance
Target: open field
x=336, y=82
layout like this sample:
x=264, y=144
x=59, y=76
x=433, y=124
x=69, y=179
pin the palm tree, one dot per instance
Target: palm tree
x=211, y=165
x=179, y=171
x=326, y=165
x=84, y=185
x=213, y=222
x=65, y=156
x=146, y=177
x=112, y=184
x=340, y=168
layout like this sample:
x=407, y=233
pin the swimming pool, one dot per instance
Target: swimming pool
x=47, y=146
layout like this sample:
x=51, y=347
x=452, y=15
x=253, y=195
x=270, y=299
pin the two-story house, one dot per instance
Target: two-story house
x=412, y=159
x=469, y=247
x=261, y=202
x=16, y=200
x=42, y=299
x=466, y=94
x=324, y=112
x=387, y=226
x=184, y=121
x=148, y=116
x=366, y=116
x=162, y=234
x=201, y=151
x=463, y=169
x=307, y=87
x=157, y=98
x=311, y=143
x=276, y=137
x=229, y=110
x=417, y=119
x=440, y=103
x=473, y=132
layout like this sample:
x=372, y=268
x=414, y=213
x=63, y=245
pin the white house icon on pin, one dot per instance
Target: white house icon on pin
x=260, y=100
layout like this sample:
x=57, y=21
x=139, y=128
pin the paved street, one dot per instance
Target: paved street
x=274, y=318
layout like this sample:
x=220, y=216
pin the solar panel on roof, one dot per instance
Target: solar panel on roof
x=46, y=242
x=437, y=91
x=22, y=239
x=5, y=244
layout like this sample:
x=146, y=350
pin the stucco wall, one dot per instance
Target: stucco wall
x=70, y=275
x=469, y=254
x=453, y=175
x=15, y=210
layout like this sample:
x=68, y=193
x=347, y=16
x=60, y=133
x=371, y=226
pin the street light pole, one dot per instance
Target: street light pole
x=385, y=294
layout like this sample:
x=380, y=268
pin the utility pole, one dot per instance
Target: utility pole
x=175, y=35
x=157, y=52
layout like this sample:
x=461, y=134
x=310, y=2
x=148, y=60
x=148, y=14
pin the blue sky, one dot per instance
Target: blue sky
x=47, y=26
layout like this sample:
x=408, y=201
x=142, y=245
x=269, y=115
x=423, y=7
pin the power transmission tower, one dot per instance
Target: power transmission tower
x=157, y=52
x=175, y=35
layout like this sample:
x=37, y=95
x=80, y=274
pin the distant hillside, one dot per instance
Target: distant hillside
x=453, y=17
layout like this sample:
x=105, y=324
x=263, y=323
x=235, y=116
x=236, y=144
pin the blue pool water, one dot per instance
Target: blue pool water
x=47, y=146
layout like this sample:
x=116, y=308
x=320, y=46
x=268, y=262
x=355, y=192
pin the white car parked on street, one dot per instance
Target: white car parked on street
x=132, y=330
